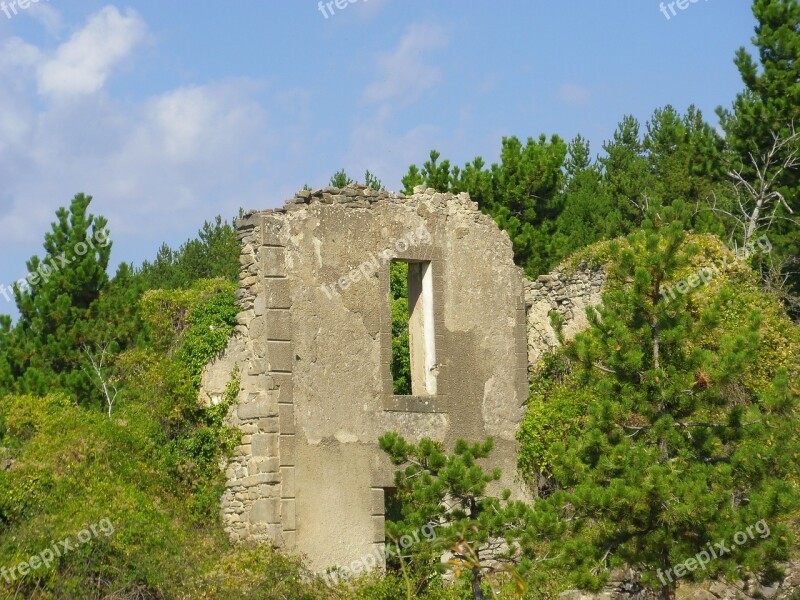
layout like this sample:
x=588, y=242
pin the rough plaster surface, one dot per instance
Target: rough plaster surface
x=314, y=346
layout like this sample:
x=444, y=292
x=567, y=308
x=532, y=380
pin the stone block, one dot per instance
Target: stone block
x=244, y=317
x=378, y=501
x=258, y=328
x=286, y=412
x=378, y=529
x=265, y=511
x=260, y=349
x=287, y=443
x=258, y=366
x=265, y=533
x=273, y=261
x=246, y=257
x=288, y=514
x=242, y=450
x=270, y=228
x=259, y=405
x=260, y=382
x=290, y=541
x=276, y=293
x=386, y=348
x=260, y=305
x=254, y=480
x=280, y=356
x=279, y=325
x=265, y=444
x=284, y=383
x=269, y=425
x=287, y=482
x=263, y=465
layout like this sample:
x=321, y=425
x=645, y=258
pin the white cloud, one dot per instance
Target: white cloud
x=83, y=64
x=48, y=16
x=403, y=75
x=574, y=95
x=180, y=154
x=16, y=53
x=170, y=158
x=186, y=124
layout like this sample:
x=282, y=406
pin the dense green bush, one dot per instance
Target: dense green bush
x=152, y=469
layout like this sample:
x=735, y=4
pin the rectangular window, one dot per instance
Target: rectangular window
x=413, y=349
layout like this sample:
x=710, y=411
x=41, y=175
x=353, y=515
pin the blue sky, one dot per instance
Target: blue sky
x=171, y=113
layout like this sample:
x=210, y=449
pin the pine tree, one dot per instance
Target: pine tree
x=55, y=304
x=685, y=156
x=6, y=376
x=770, y=102
x=448, y=492
x=764, y=117
x=401, y=352
x=411, y=180
x=340, y=179
x=372, y=182
x=213, y=253
x=588, y=215
x=626, y=173
x=674, y=452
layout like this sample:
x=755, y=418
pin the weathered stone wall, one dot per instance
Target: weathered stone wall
x=257, y=502
x=316, y=387
x=569, y=291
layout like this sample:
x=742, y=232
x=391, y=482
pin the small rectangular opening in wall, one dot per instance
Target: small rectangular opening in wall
x=413, y=348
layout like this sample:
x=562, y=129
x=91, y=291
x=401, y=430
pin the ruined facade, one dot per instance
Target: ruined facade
x=314, y=348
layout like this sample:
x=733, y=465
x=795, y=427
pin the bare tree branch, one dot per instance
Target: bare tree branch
x=103, y=383
x=759, y=200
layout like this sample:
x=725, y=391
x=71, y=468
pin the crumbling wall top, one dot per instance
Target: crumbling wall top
x=356, y=196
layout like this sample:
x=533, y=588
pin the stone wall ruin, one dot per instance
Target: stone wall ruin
x=314, y=347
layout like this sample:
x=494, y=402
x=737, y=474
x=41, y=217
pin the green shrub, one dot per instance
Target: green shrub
x=152, y=469
x=557, y=407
